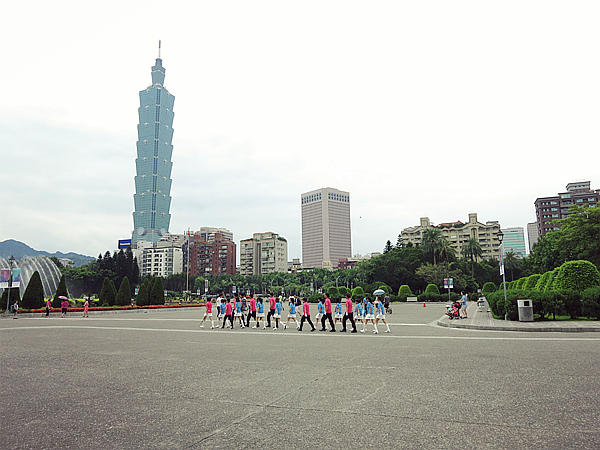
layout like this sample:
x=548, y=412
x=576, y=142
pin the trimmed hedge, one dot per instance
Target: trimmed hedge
x=488, y=288
x=577, y=275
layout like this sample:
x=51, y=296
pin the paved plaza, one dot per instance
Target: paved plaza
x=155, y=380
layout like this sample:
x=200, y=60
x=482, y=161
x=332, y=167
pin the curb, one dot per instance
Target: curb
x=535, y=329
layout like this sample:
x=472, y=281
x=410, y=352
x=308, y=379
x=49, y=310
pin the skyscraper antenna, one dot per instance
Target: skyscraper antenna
x=159, y=49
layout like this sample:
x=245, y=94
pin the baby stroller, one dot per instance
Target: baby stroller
x=453, y=311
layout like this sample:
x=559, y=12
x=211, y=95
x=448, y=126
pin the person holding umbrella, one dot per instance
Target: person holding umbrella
x=64, y=305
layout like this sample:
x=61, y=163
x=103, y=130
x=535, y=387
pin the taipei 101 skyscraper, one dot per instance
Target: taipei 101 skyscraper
x=152, y=198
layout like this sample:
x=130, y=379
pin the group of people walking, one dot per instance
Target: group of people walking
x=243, y=310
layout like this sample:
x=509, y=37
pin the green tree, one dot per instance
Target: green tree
x=511, y=264
x=33, y=297
x=388, y=247
x=157, y=292
x=124, y=295
x=108, y=293
x=578, y=235
x=472, y=251
x=430, y=242
x=61, y=291
x=142, y=296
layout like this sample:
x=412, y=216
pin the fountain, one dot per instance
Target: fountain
x=48, y=271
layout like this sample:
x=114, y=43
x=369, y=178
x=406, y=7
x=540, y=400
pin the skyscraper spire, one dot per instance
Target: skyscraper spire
x=159, y=49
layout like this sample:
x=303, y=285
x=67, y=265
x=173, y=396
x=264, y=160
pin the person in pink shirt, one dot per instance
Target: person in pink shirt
x=64, y=308
x=327, y=315
x=272, y=303
x=48, y=308
x=252, y=311
x=306, y=315
x=86, y=308
x=349, y=315
x=228, y=314
x=208, y=313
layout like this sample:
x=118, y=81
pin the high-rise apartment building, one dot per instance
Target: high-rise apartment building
x=263, y=253
x=208, y=233
x=458, y=233
x=514, y=241
x=532, y=234
x=152, y=198
x=326, y=231
x=549, y=209
x=213, y=256
x=159, y=259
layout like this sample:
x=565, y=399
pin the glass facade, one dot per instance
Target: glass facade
x=152, y=198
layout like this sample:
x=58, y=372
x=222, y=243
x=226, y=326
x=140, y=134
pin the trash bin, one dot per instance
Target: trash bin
x=525, y=310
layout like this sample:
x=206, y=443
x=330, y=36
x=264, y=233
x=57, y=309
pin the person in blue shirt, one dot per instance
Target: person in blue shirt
x=368, y=314
x=291, y=313
x=320, y=312
x=238, y=311
x=260, y=313
x=277, y=315
x=380, y=315
x=360, y=312
x=338, y=311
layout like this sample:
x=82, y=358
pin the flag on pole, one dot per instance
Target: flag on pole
x=501, y=261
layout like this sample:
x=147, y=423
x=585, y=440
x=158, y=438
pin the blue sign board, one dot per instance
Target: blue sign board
x=124, y=243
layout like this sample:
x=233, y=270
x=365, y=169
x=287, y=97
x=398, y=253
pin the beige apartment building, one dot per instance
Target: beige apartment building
x=263, y=253
x=458, y=233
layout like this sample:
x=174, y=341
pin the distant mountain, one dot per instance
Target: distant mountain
x=20, y=250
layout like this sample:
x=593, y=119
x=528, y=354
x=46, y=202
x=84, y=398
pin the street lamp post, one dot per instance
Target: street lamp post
x=500, y=235
x=11, y=261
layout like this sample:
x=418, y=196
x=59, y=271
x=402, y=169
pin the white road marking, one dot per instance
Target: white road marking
x=282, y=333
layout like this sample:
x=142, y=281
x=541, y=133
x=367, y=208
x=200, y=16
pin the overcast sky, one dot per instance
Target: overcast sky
x=417, y=108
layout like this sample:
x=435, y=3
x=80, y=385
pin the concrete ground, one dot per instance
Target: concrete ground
x=156, y=380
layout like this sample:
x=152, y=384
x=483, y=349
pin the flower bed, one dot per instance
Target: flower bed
x=111, y=308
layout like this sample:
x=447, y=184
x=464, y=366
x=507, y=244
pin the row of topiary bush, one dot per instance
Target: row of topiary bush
x=431, y=294
x=547, y=303
x=572, y=289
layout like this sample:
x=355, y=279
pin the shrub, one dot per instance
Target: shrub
x=572, y=302
x=333, y=292
x=404, y=292
x=577, y=275
x=543, y=282
x=554, y=303
x=358, y=293
x=590, y=303
x=432, y=289
x=496, y=302
x=430, y=297
x=488, y=288
x=531, y=282
x=519, y=283
x=384, y=287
